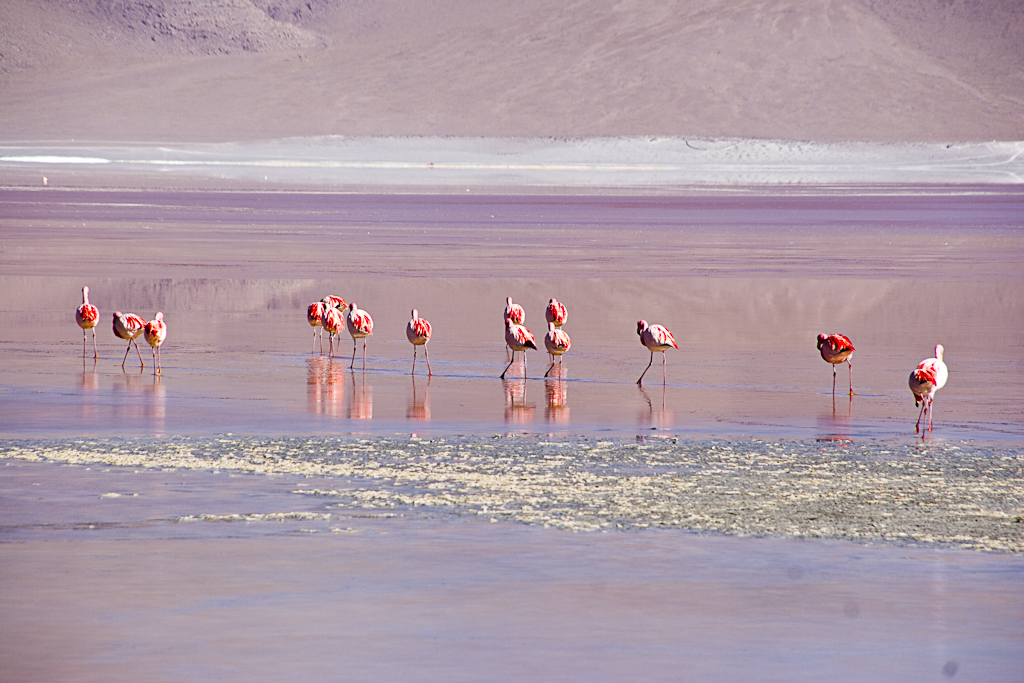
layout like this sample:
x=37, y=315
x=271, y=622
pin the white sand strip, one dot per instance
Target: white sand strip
x=623, y=162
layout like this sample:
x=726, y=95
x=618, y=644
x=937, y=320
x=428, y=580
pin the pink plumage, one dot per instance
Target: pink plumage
x=129, y=326
x=836, y=349
x=556, y=342
x=518, y=338
x=657, y=339
x=332, y=321
x=929, y=376
x=87, y=316
x=360, y=326
x=418, y=334
x=556, y=313
x=155, y=333
x=314, y=316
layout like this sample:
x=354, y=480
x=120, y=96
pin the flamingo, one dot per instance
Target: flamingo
x=836, y=349
x=557, y=342
x=556, y=313
x=655, y=338
x=155, y=332
x=930, y=376
x=336, y=301
x=518, y=338
x=418, y=332
x=515, y=313
x=87, y=316
x=129, y=326
x=333, y=320
x=314, y=316
x=360, y=326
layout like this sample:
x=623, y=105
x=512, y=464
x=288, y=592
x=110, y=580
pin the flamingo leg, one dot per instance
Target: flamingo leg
x=917, y=427
x=552, y=365
x=321, y=339
x=833, y=380
x=126, y=353
x=136, y=351
x=413, y=360
x=524, y=364
x=664, y=368
x=509, y=365
x=352, y=365
x=364, y=354
x=430, y=373
x=931, y=401
x=85, y=339
x=646, y=369
x=851, y=377
x=95, y=353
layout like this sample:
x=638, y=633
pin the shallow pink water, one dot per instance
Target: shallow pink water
x=745, y=281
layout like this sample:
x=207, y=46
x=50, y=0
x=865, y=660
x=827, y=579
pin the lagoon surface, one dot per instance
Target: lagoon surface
x=736, y=521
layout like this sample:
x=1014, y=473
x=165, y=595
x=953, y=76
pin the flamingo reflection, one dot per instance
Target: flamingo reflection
x=90, y=384
x=556, y=393
x=360, y=406
x=325, y=380
x=516, y=410
x=659, y=418
x=419, y=407
x=836, y=427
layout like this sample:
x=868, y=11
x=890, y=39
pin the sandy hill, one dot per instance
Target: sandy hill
x=195, y=70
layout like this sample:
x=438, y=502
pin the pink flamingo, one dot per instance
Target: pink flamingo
x=87, y=316
x=557, y=342
x=655, y=338
x=836, y=349
x=336, y=301
x=129, y=326
x=418, y=333
x=155, y=333
x=333, y=320
x=314, y=316
x=515, y=313
x=930, y=376
x=360, y=326
x=556, y=313
x=518, y=338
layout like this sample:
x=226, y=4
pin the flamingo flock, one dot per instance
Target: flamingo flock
x=332, y=313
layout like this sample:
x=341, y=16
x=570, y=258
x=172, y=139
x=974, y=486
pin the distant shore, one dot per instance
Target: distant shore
x=621, y=164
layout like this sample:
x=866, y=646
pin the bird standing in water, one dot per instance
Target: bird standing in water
x=155, y=333
x=836, y=349
x=418, y=333
x=87, y=316
x=556, y=342
x=360, y=326
x=930, y=376
x=314, y=316
x=332, y=320
x=655, y=338
x=518, y=338
x=129, y=326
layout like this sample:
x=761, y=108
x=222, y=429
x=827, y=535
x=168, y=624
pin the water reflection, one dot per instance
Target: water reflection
x=657, y=416
x=325, y=382
x=419, y=406
x=360, y=406
x=90, y=384
x=837, y=426
x=516, y=410
x=139, y=397
x=556, y=392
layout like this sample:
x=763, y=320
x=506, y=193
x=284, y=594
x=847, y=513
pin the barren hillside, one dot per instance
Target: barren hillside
x=194, y=70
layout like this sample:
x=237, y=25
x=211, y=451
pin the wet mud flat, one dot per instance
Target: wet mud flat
x=945, y=494
x=397, y=559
